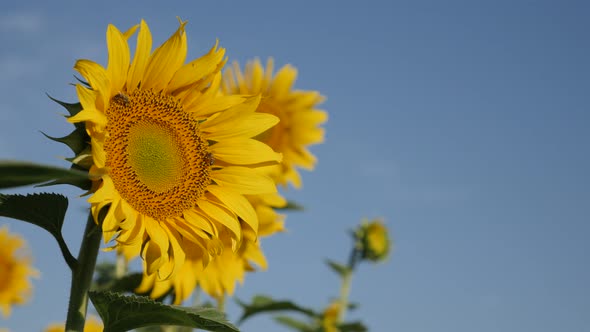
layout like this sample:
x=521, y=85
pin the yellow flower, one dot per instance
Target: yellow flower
x=374, y=240
x=300, y=120
x=172, y=157
x=93, y=324
x=15, y=271
x=330, y=317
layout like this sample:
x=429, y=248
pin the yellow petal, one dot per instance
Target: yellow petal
x=160, y=287
x=309, y=136
x=283, y=81
x=178, y=256
x=244, y=151
x=237, y=203
x=105, y=192
x=243, y=180
x=197, y=69
x=119, y=58
x=153, y=257
x=147, y=283
x=239, y=121
x=309, y=119
x=87, y=97
x=141, y=57
x=98, y=79
x=129, y=216
x=156, y=254
x=222, y=216
x=98, y=153
x=220, y=103
x=254, y=254
x=198, y=221
x=256, y=76
x=127, y=34
x=136, y=234
x=91, y=115
x=192, y=233
x=166, y=60
x=268, y=72
x=110, y=222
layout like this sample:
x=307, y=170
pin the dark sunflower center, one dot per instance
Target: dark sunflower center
x=156, y=157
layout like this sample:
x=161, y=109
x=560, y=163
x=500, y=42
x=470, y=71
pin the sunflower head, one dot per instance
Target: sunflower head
x=15, y=271
x=172, y=159
x=300, y=124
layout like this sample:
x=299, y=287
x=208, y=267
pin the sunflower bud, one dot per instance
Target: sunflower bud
x=372, y=240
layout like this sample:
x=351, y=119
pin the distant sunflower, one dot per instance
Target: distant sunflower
x=300, y=120
x=15, y=271
x=330, y=317
x=93, y=324
x=173, y=158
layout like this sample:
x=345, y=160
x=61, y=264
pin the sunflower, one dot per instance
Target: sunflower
x=172, y=158
x=300, y=120
x=219, y=277
x=330, y=317
x=93, y=324
x=15, y=271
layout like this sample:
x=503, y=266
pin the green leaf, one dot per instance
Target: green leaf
x=292, y=206
x=123, y=313
x=84, y=184
x=340, y=269
x=352, y=327
x=294, y=323
x=15, y=174
x=45, y=210
x=262, y=304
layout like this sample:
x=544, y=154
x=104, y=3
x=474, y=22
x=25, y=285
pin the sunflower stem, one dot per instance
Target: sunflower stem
x=221, y=303
x=346, y=283
x=82, y=276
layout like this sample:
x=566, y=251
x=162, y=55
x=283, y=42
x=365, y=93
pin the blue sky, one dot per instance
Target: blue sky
x=462, y=123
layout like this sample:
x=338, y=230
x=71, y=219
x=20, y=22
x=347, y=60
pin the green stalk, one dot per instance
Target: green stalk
x=221, y=303
x=346, y=282
x=82, y=277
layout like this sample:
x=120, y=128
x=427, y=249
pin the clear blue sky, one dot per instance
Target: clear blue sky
x=465, y=124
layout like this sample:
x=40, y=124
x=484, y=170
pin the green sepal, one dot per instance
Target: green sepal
x=86, y=84
x=340, y=269
x=77, y=140
x=15, y=174
x=294, y=206
x=263, y=304
x=123, y=313
x=73, y=109
x=294, y=323
x=46, y=210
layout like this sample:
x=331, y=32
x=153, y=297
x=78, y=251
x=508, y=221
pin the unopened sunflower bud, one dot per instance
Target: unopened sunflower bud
x=373, y=240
